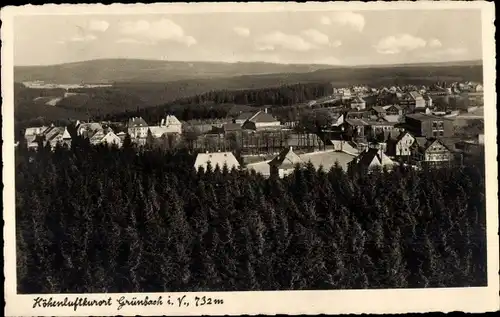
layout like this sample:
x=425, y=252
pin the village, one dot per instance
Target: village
x=401, y=125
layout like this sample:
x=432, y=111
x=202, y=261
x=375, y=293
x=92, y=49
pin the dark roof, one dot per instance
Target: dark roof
x=366, y=157
x=231, y=127
x=245, y=115
x=137, y=122
x=285, y=159
x=356, y=122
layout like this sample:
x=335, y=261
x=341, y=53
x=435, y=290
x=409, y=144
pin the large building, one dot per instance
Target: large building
x=215, y=159
x=425, y=125
x=284, y=164
x=412, y=101
x=261, y=121
x=137, y=128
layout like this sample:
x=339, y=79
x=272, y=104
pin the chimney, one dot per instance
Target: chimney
x=206, y=152
x=265, y=110
x=291, y=149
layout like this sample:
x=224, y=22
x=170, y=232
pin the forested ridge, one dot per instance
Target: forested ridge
x=214, y=104
x=108, y=220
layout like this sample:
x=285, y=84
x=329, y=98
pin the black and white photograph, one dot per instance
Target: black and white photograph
x=241, y=150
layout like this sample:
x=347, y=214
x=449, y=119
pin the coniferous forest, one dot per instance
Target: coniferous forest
x=108, y=220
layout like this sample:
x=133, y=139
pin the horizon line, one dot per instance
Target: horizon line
x=252, y=62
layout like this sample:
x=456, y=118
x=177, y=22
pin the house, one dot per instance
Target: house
x=32, y=136
x=394, y=110
x=356, y=128
x=106, y=137
x=261, y=121
x=328, y=159
x=88, y=129
x=284, y=164
x=243, y=117
x=425, y=125
x=412, y=100
x=377, y=111
x=428, y=100
x=381, y=128
x=431, y=151
x=171, y=124
x=370, y=159
x=54, y=136
x=358, y=103
x=159, y=131
x=137, y=128
x=112, y=139
x=400, y=146
x=121, y=135
x=216, y=159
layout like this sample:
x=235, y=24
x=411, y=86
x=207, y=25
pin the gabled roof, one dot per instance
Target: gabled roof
x=357, y=99
x=367, y=157
x=216, y=158
x=286, y=159
x=262, y=116
x=402, y=135
x=415, y=95
x=136, y=122
x=378, y=109
x=391, y=118
x=170, y=120
x=356, y=122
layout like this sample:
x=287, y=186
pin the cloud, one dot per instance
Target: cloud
x=271, y=41
x=435, y=43
x=395, y=44
x=161, y=30
x=85, y=38
x=98, y=25
x=241, y=31
x=346, y=18
x=316, y=37
x=132, y=41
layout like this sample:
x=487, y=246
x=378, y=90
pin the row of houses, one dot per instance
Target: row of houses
x=405, y=149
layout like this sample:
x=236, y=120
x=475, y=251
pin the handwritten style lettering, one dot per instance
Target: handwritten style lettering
x=78, y=302
x=123, y=301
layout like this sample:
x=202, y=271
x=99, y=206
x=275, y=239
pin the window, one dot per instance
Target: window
x=434, y=133
x=441, y=133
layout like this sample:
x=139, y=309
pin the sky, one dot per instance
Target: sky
x=335, y=38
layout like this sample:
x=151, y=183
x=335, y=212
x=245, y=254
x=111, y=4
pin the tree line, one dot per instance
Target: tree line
x=218, y=103
x=98, y=219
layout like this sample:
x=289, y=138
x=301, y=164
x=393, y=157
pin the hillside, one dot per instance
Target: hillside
x=135, y=70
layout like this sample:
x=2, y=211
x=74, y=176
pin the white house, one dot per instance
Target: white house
x=137, y=128
x=216, y=159
x=111, y=139
x=284, y=164
x=171, y=124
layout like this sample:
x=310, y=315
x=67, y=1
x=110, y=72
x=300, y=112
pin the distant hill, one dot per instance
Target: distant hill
x=136, y=70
